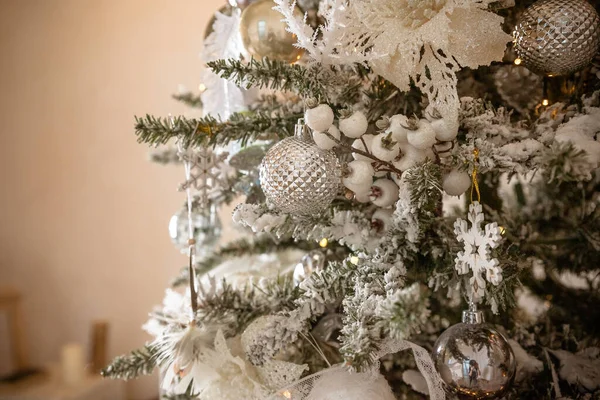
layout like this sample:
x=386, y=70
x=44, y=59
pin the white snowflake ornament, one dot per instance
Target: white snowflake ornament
x=476, y=256
x=205, y=172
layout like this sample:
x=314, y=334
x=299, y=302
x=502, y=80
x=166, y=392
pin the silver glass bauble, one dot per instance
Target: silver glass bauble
x=328, y=329
x=510, y=81
x=206, y=225
x=557, y=37
x=473, y=359
x=299, y=178
x=311, y=262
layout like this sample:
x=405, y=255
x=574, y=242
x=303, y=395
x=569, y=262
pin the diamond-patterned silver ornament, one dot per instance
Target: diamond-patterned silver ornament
x=299, y=178
x=557, y=37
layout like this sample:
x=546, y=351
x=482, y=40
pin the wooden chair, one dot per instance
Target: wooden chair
x=10, y=310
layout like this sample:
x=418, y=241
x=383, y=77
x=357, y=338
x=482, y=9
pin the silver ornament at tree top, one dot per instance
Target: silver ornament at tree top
x=299, y=178
x=206, y=226
x=473, y=359
x=557, y=37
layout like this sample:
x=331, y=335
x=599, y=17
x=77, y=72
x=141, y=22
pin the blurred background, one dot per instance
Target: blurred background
x=83, y=215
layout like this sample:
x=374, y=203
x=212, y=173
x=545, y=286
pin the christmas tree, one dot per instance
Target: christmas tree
x=404, y=168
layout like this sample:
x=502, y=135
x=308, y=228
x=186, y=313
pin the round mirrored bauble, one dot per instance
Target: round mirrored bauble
x=264, y=33
x=311, y=262
x=474, y=361
x=207, y=230
x=328, y=330
x=299, y=178
x=510, y=81
x=557, y=37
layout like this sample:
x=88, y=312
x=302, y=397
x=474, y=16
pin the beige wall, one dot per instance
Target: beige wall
x=83, y=215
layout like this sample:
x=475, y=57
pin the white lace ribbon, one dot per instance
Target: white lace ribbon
x=300, y=390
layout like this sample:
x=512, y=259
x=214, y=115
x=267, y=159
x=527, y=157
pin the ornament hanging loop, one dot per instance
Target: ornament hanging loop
x=301, y=131
x=472, y=315
x=475, y=183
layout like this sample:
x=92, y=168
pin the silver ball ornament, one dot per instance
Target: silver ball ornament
x=473, y=359
x=557, y=37
x=206, y=225
x=311, y=262
x=299, y=178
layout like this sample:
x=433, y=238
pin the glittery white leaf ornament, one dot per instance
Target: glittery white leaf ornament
x=221, y=97
x=476, y=256
x=427, y=41
x=219, y=370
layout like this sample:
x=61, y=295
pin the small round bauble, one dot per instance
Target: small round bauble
x=205, y=224
x=355, y=125
x=456, y=182
x=557, y=37
x=319, y=118
x=264, y=34
x=343, y=384
x=474, y=360
x=510, y=81
x=299, y=178
x=311, y=262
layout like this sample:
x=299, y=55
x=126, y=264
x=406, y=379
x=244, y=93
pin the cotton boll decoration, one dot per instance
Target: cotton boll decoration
x=423, y=136
x=342, y=384
x=456, y=182
x=355, y=125
x=384, y=147
x=359, y=173
x=384, y=193
x=358, y=144
x=323, y=141
x=319, y=118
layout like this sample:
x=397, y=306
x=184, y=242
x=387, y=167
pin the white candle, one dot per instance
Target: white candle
x=72, y=364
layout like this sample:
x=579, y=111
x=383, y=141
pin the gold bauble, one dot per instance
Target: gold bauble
x=264, y=34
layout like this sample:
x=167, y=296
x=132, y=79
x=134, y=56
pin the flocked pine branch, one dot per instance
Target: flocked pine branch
x=189, y=98
x=137, y=363
x=209, y=130
x=235, y=307
x=272, y=74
